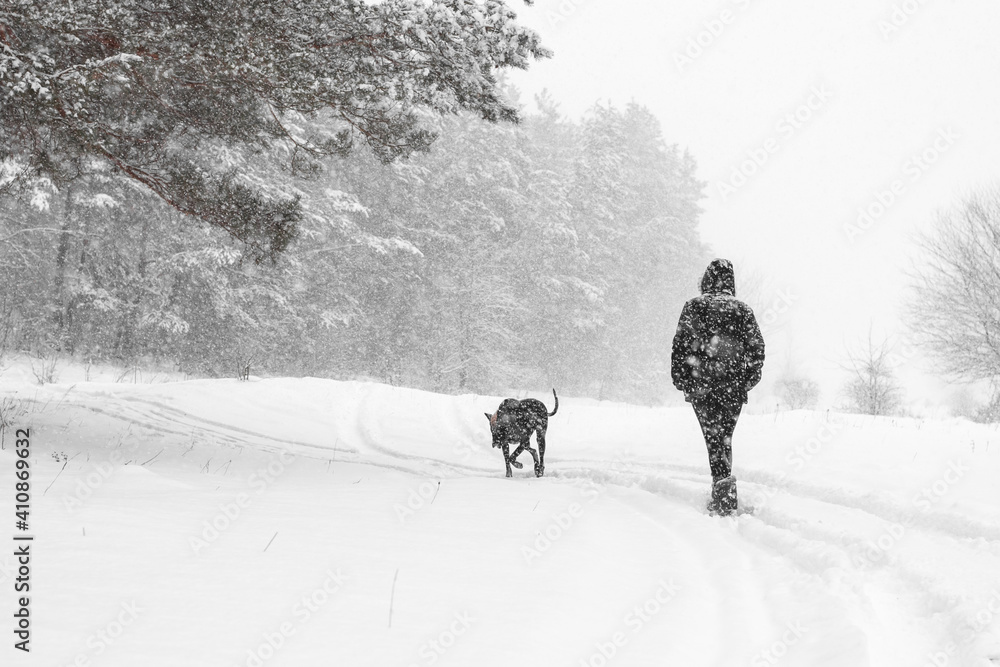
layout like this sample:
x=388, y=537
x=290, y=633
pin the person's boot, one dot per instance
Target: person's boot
x=724, y=496
x=713, y=503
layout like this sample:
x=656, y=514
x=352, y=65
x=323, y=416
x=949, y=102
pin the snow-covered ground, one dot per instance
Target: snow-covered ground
x=313, y=522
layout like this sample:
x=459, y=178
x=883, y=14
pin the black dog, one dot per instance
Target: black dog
x=515, y=421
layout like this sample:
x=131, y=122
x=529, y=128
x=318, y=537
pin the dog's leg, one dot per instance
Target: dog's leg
x=534, y=455
x=540, y=466
x=514, y=455
x=506, y=459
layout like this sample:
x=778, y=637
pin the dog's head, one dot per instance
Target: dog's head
x=503, y=421
x=494, y=429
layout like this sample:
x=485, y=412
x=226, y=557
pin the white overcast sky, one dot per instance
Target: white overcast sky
x=881, y=94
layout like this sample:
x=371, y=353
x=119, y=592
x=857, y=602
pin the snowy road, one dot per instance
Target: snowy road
x=303, y=522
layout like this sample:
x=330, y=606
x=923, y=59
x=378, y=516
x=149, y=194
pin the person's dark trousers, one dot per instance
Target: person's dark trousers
x=718, y=421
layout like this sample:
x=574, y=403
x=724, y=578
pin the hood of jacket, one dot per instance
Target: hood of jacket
x=719, y=278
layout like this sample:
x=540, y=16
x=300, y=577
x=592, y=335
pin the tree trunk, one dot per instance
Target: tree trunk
x=62, y=312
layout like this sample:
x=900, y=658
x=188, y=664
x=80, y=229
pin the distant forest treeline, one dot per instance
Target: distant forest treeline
x=549, y=253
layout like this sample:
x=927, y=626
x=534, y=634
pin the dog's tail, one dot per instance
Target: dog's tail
x=556, y=408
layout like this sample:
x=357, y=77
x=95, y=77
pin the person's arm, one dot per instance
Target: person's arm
x=754, y=347
x=680, y=370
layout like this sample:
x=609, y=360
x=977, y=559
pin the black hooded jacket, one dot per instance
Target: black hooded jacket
x=718, y=350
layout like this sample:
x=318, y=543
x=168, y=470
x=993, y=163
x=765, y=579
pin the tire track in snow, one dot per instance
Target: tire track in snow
x=370, y=433
x=756, y=599
x=176, y=421
x=739, y=612
x=841, y=555
x=880, y=505
x=784, y=527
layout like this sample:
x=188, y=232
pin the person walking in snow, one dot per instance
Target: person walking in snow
x=717, y=357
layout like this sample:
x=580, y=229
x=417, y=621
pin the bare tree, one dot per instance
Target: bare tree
x=955, y=310
x=872, y=389
x=798, y=392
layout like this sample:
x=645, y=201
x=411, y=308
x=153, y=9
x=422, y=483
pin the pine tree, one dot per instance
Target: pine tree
x=146, y=87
